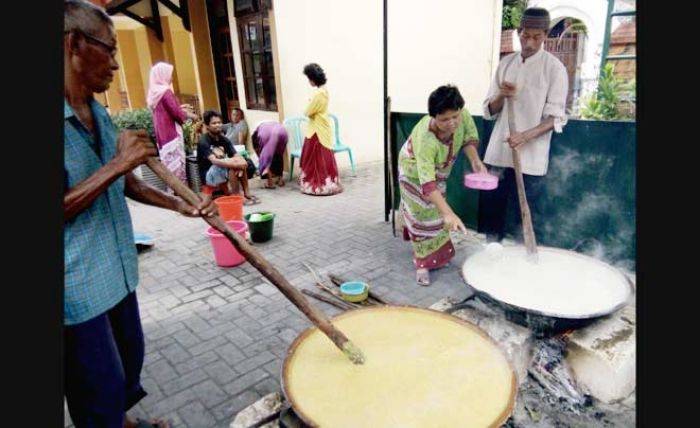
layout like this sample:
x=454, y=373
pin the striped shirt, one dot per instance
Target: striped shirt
x=100, y=260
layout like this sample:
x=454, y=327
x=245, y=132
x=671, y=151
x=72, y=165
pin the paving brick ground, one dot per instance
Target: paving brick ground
x=216, y=338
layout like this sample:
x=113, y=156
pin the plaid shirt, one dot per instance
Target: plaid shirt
x=100, y=259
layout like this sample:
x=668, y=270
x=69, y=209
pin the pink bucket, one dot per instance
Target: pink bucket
x=225, y=253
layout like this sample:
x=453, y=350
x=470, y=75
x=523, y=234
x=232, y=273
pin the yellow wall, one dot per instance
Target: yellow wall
x=145, y=55
x=189, y=52
x=155, y=47
x=113, y=97
x=183, y=58
x=204, y=61
x=132, y=69
x=169, y=51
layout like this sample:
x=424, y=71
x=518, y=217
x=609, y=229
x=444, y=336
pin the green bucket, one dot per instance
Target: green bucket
x=260, y=229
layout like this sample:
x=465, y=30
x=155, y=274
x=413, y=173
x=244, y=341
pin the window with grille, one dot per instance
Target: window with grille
x=256, y=52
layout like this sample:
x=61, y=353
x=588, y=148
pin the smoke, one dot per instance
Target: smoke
x=496, y=171
x=588, y=216
x=570, y=163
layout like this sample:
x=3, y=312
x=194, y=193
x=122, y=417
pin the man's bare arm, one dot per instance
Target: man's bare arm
x=143, y=192
x=520, y=138
x=506, y=89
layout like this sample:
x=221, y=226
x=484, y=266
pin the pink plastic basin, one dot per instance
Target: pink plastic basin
x=481, y=181
x=225, y=253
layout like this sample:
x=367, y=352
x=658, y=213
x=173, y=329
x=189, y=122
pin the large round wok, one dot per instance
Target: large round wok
x=471, y=366
x=542, y=320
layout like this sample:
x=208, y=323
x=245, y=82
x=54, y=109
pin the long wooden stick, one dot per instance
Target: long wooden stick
x=319, y=283
x=328, y=300
x=317, y=317
x=528, y=229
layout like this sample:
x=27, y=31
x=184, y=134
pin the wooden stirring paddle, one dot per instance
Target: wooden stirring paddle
x=526, y=217
x=317, y=317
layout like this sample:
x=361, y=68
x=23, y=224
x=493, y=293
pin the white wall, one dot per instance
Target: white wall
x=452, y=41
x=443, y=41
x=345, y=38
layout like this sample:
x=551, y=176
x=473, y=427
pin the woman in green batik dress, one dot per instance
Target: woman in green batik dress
x=425, y=162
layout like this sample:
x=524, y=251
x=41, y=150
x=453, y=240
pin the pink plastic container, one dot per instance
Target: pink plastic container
x=480, y=181
x=225, y=253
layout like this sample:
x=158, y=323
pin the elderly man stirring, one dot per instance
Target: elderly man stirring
x=103, y=337
x=536, y=82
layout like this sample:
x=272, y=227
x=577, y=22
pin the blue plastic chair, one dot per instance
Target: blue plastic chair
x=338, y=146
x=294, y=127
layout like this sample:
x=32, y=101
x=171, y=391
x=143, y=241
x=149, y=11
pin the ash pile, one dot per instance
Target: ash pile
x=575, y=378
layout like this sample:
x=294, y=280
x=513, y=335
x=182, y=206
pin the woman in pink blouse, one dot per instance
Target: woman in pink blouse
x=168, y=116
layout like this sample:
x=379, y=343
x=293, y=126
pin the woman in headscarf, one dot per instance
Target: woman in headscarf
x=168, y=116
x=270, y=142
x=319, y=171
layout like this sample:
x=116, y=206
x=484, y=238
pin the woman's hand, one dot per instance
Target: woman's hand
x=478, y=166
x=454, y=223
x=473, y=156
x=189, y=112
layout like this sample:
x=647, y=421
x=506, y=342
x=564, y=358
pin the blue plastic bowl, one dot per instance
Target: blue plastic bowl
x=354, y=291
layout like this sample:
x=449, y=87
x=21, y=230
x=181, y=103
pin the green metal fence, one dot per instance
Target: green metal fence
x=590, y=188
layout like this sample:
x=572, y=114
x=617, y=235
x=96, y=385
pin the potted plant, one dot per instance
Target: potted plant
x=140, y=119
x=192, y=130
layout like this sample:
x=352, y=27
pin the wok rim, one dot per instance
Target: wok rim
x=616, y=271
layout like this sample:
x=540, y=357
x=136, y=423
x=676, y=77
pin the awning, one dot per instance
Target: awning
x=148, y=13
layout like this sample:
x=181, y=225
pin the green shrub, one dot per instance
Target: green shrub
x=614, y=99
x=513, y=13
x=142, y=119
x=135, y=119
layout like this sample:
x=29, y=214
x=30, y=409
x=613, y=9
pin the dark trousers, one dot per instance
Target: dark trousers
x=499, y=209
x=103, y=360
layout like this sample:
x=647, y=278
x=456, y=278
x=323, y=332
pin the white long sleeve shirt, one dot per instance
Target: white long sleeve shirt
x=541, y=85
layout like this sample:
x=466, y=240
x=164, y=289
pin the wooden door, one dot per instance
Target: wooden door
x=222, y=50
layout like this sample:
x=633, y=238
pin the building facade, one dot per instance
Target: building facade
x=250, y=54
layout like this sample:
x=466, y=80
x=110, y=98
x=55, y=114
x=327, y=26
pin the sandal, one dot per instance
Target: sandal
x=251, y=201
x=423, y=277
x=269, y=186
x=280, y=182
